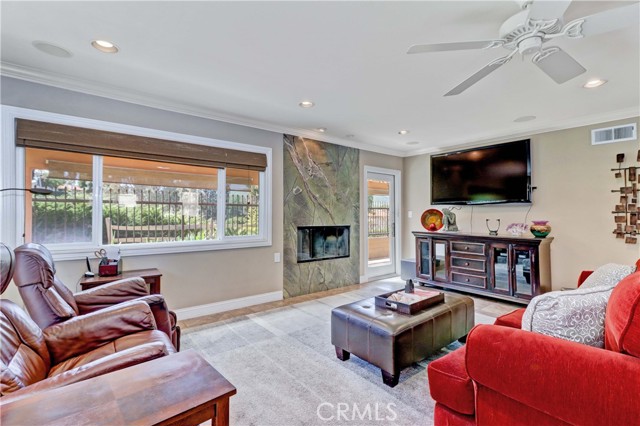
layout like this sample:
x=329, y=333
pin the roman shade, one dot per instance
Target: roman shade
x=38, y=134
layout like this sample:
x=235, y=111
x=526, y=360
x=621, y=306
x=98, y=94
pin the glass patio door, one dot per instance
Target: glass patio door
x=381, y=224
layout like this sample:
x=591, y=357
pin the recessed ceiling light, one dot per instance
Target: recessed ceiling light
x=592, y=84
x=320, y=129
x=403, y=132
x=52, y=49
x=105, y=46
x=413, y=143
x=349, y=135
x=306, y=104
x=525, y=118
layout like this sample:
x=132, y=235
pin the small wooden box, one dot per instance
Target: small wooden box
x=112, y=267
x=425, y=299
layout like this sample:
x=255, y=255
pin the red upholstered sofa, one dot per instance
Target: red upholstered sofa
x=508, y=376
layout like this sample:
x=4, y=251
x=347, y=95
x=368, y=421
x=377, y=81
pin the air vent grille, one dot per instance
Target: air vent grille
x=626, y=132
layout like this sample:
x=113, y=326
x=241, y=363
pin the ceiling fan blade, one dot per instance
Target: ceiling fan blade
x=611, y=19
x=485, y=71
x=464, y=45
x=558, y=64
x=547, y=9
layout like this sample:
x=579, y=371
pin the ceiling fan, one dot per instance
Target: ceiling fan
x=527, y=31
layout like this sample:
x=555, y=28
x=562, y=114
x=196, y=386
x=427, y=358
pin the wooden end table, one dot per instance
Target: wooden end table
x=150, y=276
x=177, y=389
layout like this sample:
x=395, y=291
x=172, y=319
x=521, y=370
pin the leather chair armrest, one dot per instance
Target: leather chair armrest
x=117, y=361
x=100, y=297
x=161, y=313
x=572, y=382
x=87, y=332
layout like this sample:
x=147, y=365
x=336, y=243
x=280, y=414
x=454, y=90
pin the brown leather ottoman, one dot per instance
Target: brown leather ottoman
x=393, y=341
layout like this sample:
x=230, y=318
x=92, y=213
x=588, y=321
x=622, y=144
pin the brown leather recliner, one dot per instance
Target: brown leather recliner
x=49, y=301
x=32, y=359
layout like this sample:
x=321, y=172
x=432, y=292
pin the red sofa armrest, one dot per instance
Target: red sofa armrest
x=583, y=276
x=575, y=383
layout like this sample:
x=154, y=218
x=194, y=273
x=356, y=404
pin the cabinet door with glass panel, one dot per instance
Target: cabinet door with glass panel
x=512, y=270
x=432, y=263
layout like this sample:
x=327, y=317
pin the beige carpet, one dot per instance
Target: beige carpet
x=286, y=372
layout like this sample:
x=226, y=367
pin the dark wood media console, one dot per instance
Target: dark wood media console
x=503, y=267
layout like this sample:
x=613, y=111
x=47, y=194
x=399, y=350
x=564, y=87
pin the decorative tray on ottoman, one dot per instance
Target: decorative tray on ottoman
x=409, y=303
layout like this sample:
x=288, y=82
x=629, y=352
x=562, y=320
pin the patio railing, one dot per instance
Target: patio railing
x=156, y=216
x=378, y=220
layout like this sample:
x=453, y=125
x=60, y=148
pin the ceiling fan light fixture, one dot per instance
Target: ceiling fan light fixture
x=592, y=84
x=306, y=104
x=105, y=46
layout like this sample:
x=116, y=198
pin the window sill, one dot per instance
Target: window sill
x=77, y=252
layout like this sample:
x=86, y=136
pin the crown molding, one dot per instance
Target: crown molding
x=511, y=134
x=89, y=87
x=113, y=92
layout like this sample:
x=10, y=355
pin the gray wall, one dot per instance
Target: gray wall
x=189, y=279
x=574, y=183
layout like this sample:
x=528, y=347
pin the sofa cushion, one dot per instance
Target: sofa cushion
x=513, y=319
x=609, y=274
x=622, y=323
x=449, y=383
x=576, y=315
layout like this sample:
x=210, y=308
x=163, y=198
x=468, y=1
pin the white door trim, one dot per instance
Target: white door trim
x=397, y=174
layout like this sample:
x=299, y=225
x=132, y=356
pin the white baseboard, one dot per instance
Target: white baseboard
x=227, y=305
x=363, y=279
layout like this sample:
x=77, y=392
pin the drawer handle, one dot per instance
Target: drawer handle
x=466, y=279
x=466, y=247
x=466, y=263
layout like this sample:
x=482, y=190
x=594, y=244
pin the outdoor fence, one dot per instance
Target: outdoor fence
x=154, y=216
x=378, y=220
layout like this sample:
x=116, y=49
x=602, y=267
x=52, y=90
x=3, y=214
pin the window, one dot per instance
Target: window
x=141, y=201
x=150, y=191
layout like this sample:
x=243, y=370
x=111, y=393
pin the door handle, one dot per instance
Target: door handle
x=393, y=230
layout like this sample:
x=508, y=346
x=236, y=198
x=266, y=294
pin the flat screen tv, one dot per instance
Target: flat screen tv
x=488, y=175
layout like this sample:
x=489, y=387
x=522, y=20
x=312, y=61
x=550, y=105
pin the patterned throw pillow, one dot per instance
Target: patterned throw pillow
x=576, y=315
x=609, y=275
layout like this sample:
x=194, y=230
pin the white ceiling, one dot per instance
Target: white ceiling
x=252, y=62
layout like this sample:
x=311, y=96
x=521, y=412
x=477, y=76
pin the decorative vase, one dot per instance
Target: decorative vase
x=540, y=228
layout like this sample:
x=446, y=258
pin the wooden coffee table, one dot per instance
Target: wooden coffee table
x=177, y=389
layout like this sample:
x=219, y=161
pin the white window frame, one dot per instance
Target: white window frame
x=12, y=176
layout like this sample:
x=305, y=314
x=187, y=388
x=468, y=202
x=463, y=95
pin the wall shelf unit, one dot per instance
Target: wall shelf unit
x=626, y=211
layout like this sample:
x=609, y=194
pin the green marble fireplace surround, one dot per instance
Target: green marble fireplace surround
x=321, y=188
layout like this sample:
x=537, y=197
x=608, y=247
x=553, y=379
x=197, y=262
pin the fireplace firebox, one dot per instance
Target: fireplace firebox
x=323, y=242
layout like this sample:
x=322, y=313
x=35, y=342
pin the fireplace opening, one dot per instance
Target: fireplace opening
x=322, y=242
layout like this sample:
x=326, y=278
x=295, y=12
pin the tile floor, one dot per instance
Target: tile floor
x=486, y=309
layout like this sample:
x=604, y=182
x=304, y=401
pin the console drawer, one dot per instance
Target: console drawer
x=472, y=248
x=475, y=265
x=467, y=279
